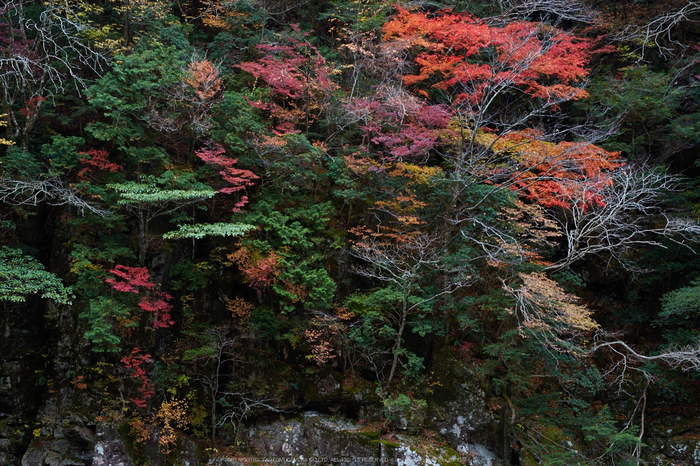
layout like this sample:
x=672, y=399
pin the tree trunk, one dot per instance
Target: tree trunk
x=397, y=343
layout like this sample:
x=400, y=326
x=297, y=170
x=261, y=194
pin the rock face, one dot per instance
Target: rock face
x=317, y=439
x=109, y=448
x=55, y=452
x=316, y=436
x=67, y=435
x=9, y=453
x=460, y=413
x=670, y=446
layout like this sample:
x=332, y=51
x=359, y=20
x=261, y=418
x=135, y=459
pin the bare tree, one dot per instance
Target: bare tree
x=553, y=10
x=241, y=405
x=404, y=265
x=42, y=58
x=563, y=325
x=658, y=32
x=52, y=191
x=622, y=213
x=686, y=358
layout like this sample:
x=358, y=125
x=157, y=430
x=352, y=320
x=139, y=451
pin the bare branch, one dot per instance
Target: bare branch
x=686, y=358
x=52, y=191
x=625, y=213
x=554, y=10
x=657, y=32
x=626, y=359
x=43, y=58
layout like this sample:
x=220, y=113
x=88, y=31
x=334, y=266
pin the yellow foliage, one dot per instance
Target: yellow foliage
x=546, y=311
x=559, y=306
x=3, y=123
x=171, y=414
x=239, y=308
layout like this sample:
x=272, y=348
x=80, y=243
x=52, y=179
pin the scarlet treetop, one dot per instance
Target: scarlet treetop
x=503, y=85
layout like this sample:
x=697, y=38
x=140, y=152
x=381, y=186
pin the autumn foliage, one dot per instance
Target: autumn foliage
x=399, y=123
x=554, y=174
x=539, y=60
x=145, y=389
x=496, y=81
x=132, y=279
x=238, y=178
x=135, y=278
x=204, y=79
x=298, y=77
x=95, y=159
x=260, y=271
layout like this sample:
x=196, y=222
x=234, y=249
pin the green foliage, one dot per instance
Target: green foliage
x=63, y=153
x=401, y=406
x=683, y=303
x=680, y=315
x=102, y=314
x=89, y=264
x=21, y=275
x=124, y=95
x=20, y=164
x=358, y=16
x=134, y=193
x=653, y=104
x=191, y=276
x=238, y=122
x=200, y=230
x=268, y=323
x=374, y=335
x=297, y=235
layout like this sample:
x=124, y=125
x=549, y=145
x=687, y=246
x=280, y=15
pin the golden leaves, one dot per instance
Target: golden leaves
x=203, y=76
x=171, y=414
x=239, y=308
x=554, y=317
x=553, y=304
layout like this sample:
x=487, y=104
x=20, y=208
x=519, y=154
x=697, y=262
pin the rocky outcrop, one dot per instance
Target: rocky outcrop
x=66, y=436
x=317, y=439
x=109, y=448
x=56, y=452
x=315, y=436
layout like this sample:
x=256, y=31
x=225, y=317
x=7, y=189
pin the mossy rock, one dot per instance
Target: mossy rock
x=405, y=449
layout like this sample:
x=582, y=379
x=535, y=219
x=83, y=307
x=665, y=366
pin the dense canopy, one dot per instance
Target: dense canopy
x=210, y=209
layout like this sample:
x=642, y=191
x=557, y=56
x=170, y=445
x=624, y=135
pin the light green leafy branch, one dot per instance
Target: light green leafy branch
x=212, y=229
x=21, y=275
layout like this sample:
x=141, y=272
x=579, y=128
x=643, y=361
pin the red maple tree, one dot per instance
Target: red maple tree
x=145, y=389
x=135, y=278
x=501, y=83
x=554, y=174
x=298, y=77
x=158, y=304
x=239, y=178
x=539, y=60
x=95, y=159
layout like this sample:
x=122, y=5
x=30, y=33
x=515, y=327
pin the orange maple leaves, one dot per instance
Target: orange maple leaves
x=555, y=174
x=481, y=68
x=203, y=77
x=459, y=50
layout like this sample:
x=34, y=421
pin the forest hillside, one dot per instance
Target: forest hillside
x=349, y=232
